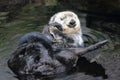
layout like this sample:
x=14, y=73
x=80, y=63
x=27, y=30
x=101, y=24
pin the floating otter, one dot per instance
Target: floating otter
x=64, y=27
x=36, y=56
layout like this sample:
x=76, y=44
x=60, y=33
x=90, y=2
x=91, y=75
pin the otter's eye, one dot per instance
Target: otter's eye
x=62, y=18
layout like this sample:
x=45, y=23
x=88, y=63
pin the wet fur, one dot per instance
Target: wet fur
x=35, y=56
x=69, y=36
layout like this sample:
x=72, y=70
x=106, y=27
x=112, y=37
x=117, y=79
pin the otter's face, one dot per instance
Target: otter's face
x=68, y=20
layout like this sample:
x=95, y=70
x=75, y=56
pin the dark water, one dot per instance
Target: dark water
x=104, y=63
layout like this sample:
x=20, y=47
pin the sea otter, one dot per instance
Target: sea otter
x=35, y=57
x=64, y=28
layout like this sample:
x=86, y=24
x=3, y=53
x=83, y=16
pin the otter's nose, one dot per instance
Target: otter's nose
x=72, y=22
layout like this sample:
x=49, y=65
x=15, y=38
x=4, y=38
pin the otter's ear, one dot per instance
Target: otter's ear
x=52, y=19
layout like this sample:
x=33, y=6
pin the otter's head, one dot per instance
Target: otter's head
x=68, y=22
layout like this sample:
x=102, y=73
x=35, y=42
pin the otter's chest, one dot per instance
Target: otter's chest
x=63, y=41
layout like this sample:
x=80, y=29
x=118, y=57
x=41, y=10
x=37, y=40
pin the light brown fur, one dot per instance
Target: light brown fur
x=74, y=32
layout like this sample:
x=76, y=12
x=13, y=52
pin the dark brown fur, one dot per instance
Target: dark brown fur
x=36, y=57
